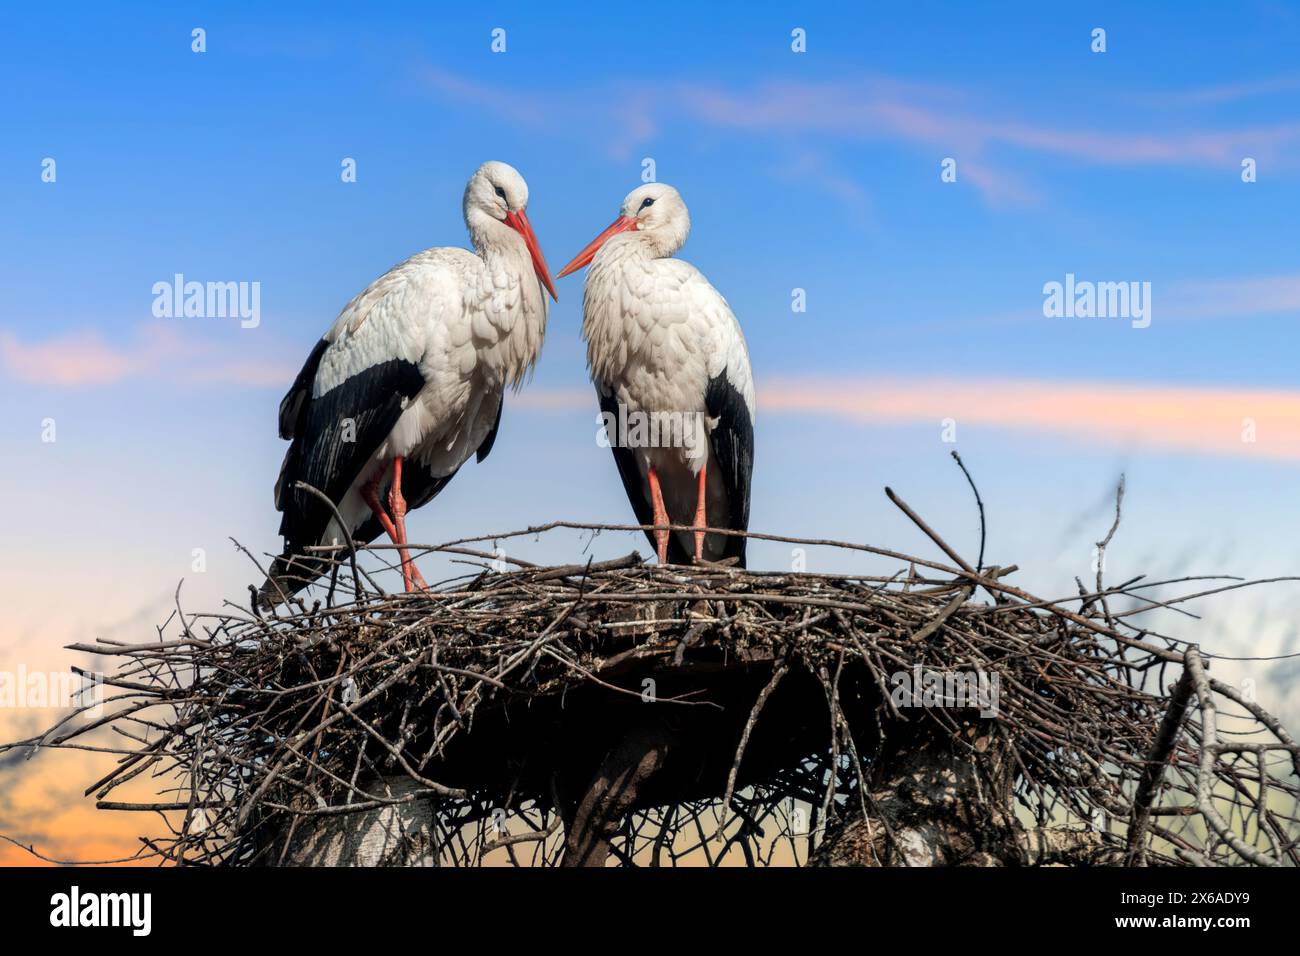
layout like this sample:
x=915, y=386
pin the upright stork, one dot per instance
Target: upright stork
x=667, y=354
x=409, y=383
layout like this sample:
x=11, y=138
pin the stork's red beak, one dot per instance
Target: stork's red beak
x=621, y=224
x=518, y=221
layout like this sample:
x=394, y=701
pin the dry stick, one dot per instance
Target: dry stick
x=569, y=570
x=1149, y=785
x=930, y=532
x=1104, y=542
x=521, y=837
x=343, y=528
x=1265, y=718
x=949, y=610
x=831, y=688
x=1093, y=597
x=1226, y=587
x=766, y=692
x=979, y=565
x=1209, y=756
x=992, y=585
x=251, y=588
x=592, y=526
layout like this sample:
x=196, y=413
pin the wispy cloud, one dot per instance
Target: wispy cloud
x=626, y=117
x=944, y=122
x=870, y=110
x=154, y=350
x=1221, y=421
x=80, y=358
x=1238, y=297
x=811, y=163
x=1237, y=422
x=1222, y=93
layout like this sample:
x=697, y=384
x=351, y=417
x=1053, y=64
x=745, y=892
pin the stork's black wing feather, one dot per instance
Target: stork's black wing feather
x=335, y=435
x=634, y=485
x=732, y=444
x=486, y=445
x=291, y=406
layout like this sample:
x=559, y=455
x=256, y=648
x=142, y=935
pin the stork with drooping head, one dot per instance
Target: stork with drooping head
x=666, y=352
x=409, y=383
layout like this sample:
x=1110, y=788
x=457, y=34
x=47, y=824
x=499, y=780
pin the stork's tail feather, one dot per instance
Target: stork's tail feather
x=289, y=574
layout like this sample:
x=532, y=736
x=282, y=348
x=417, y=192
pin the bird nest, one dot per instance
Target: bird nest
x=667, y=715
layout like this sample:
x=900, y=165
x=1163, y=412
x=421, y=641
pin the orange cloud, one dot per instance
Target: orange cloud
x=156, y=350
x=1258, y=423
x=81, y=358
x=45, y=809
x=1221, y=421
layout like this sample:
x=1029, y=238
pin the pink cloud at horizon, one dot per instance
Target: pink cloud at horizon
x=84, y=358
x=1238, y=422
x=1217, y=421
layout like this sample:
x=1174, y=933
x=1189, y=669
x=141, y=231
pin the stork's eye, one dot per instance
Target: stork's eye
x=501, y=192
x=646, y=203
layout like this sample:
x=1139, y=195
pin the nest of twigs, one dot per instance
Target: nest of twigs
x=491, y=701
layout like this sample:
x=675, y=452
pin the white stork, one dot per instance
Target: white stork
x=408, y=384
x=666, y=352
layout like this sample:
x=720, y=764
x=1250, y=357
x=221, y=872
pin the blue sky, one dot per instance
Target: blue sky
x=818, y=171
x=227, y=163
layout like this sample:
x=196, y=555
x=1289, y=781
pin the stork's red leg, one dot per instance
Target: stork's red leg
x=370, y=495
x=397, y=504
x=701, y=516
x=660, y=516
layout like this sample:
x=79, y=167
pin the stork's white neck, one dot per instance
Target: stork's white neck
x=509, y=266
x=658, y=243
